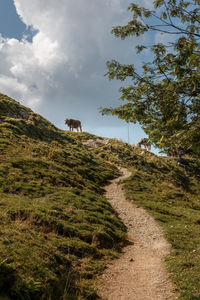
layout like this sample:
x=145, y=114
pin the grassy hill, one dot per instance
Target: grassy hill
x=57, y=229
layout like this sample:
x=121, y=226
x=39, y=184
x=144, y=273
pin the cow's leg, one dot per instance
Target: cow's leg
x=80, y=128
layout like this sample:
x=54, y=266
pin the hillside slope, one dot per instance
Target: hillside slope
x=171, y=194
x=56, y=227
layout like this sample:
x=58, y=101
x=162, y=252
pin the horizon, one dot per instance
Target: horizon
x=58, y=71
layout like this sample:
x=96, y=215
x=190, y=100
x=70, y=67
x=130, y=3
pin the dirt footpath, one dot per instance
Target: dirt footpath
x=139, y=273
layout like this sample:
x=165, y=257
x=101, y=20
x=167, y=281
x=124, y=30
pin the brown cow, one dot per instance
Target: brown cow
x=73, y=124
x=145, y=142
x=174, y=151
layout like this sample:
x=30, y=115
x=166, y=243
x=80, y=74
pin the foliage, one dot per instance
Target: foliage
x=164, y=95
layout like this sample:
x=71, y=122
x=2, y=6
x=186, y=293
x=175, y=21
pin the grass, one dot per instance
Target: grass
x=171, y=194
x=176, y=208
x=57, y=229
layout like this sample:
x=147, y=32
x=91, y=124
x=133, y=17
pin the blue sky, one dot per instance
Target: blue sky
x=10, y=24
x=53, y=59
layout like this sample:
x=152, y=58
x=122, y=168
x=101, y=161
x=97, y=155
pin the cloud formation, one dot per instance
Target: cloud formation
x=60, y=73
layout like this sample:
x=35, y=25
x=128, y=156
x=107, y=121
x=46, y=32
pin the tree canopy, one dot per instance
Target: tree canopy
x=164, y=95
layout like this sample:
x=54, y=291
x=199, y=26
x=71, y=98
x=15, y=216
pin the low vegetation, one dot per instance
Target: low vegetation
x=171, y=193
x=57, y=229
x=56, y=226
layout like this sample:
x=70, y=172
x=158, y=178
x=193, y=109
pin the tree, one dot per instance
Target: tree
x=164, y=96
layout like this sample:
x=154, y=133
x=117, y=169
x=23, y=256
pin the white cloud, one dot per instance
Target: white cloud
x=64, y=65
x=12, y=84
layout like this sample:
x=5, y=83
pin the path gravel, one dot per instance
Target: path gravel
x=139, y=273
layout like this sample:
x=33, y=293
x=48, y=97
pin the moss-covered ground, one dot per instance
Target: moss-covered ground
x=56, y=229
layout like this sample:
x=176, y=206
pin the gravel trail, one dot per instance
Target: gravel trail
x=139, y=273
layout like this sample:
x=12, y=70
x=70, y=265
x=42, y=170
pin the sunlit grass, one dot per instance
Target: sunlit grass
x=56, y=226
x=171, y=193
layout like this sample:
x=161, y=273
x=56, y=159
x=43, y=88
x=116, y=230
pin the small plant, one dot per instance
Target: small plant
x=52, y=150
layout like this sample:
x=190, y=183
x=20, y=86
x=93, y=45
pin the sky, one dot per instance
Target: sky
x=53, y=59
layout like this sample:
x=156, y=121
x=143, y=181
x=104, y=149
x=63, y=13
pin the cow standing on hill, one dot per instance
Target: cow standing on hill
x=73, y=124
x=145, y=142
x=174, y=151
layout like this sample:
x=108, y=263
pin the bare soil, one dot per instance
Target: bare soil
x=140, y=272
